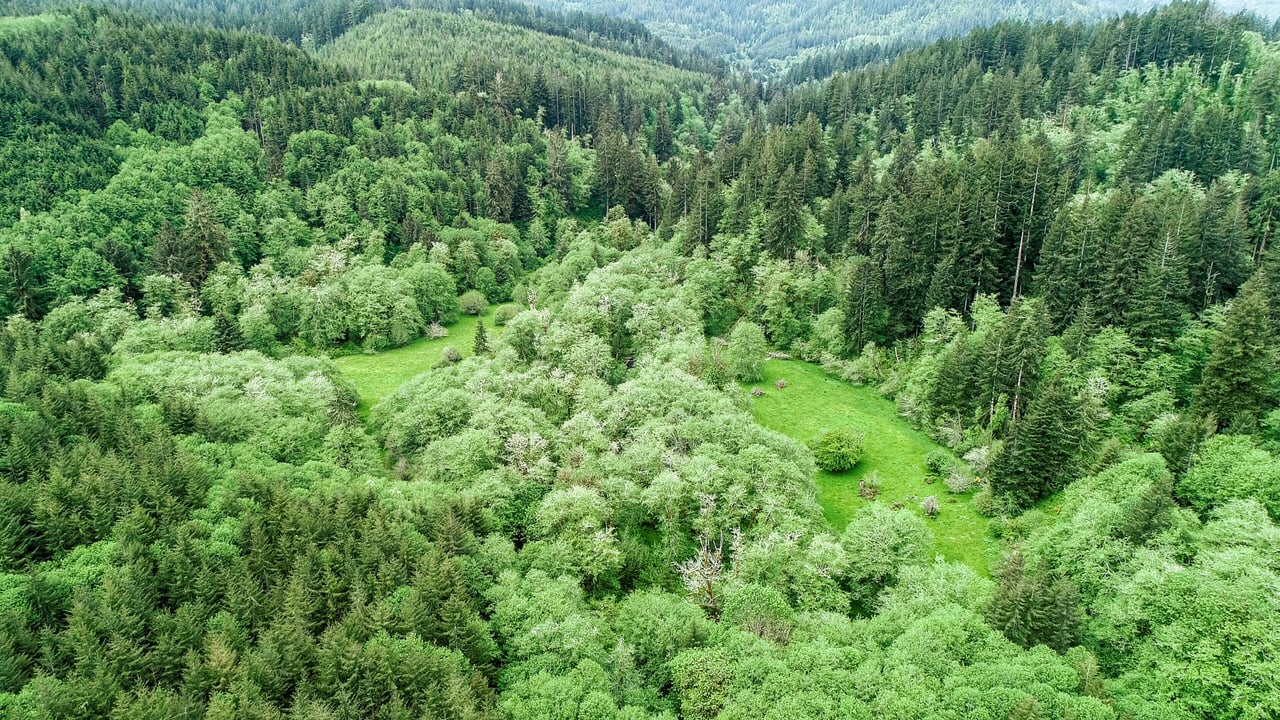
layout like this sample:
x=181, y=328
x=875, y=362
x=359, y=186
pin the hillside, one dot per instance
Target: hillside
x=738, y=29
x=515, y=67
x=464, y=365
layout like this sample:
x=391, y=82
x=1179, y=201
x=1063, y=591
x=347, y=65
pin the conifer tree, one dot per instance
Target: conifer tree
x=1039, y=456
x=1019, y=608
x=226, y=333
x=481, y=346
x=865, y=314
x=785, y=226
x=1238, y=384
x=663, y=140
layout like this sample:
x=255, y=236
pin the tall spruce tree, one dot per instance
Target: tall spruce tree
x=481, y=345
x=1239, y=381
x=865, y=314
x=1041, y=454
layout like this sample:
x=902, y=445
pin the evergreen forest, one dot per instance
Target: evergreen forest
x=469, y=360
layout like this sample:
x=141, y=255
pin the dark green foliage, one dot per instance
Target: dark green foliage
x=1239, y=381
x=865, y=314
x=798, y=30
x=1044, y=447
x=1032, y=610
x=481, y=342
x=838, y=450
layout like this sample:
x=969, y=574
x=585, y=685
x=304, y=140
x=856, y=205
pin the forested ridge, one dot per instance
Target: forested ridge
x=799, y=30
x=1050, y=245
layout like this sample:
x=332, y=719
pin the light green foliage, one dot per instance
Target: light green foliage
x=760, y=610
x=283, y=408
x=473, y=302
x=838, y=450
x=1231, y=467
x=377, y=375
x=657, y=627
x=878, y=542
x=1050, y=245
x=747, y=348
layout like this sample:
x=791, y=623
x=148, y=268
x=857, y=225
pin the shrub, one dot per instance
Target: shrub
x=780, y=384
x=979, y=459
x=988, y=503
x=449, y=356
x=838, y=450
x=930, y=506
x=869, y=487
x=473, y=302
x=747, y=348
x=937, y=462
x=958, y=481
x=760, y=610
x=437, y=331
x=504, y=313
x=757, y=392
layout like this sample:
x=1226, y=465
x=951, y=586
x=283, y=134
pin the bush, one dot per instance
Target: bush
x=760, y=610
x=838, y=450
x=869, y=487
x=473, y=302
x=979, y=459
x=449, y=356
x=504, y=313
x=747, y=348
x=988, y=504
x=930, y=506
x=937, y=462
x=958, y=481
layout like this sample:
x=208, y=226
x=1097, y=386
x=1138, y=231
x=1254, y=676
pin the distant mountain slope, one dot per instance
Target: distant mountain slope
x=514, y=67
x=320, y=21
x=763, y=30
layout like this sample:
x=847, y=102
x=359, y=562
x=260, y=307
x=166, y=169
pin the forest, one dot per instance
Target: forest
x=469, y=360
x=800, y=29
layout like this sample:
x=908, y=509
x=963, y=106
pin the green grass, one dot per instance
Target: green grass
x=815, y=401
x=377, y=375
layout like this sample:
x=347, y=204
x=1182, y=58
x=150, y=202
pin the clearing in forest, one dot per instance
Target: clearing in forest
x=815, y=401
x=377, y=375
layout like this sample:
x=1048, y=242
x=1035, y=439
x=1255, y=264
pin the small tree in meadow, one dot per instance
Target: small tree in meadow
x=747, y=348
x=481, y=346
x=473, y=302
x=837, y=450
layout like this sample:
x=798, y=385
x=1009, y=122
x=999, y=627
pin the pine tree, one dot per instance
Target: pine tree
x=205, y=237
x=226, y=333
x=663, y=140
x=1040, y=455
x=865, y=314
x=1019, y=609
x=1238, y=384
x=785, y=226
x=481, y=346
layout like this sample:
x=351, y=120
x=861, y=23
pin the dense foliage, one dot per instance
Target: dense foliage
x=1050, y=244
x=837, y=450
x=795, y=28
